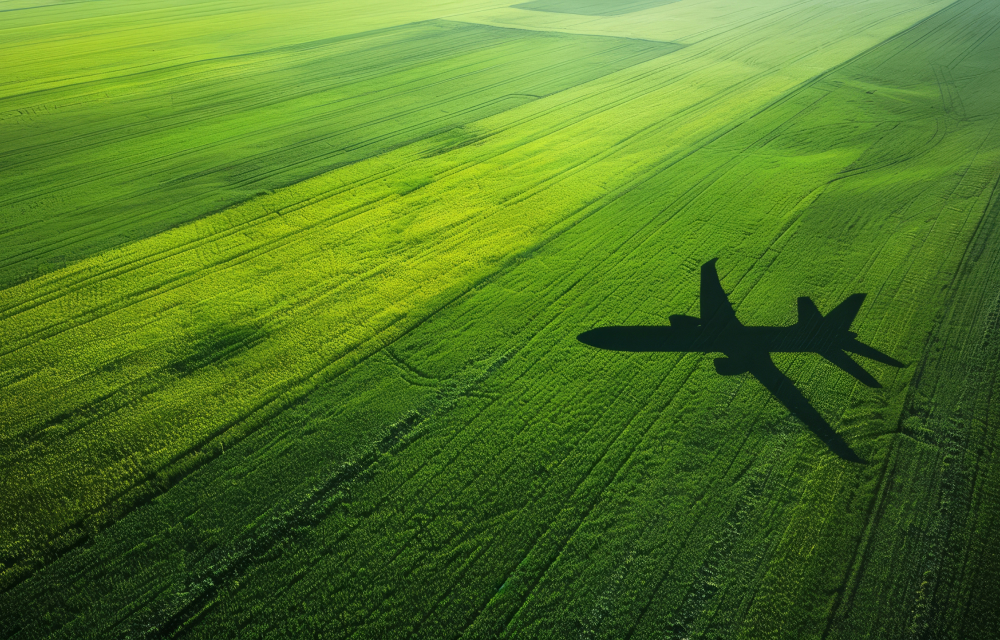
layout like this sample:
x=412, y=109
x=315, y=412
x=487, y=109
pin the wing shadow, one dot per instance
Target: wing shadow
x=782, y=388
x=745, y=359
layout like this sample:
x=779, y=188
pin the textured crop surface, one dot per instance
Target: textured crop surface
x=592, y=7
x=291, y=294
x=108, y=160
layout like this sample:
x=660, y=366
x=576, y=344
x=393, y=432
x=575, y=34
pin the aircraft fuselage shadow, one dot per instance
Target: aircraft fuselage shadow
x=749, y=349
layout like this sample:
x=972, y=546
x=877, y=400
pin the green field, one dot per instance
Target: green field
x=290, y=297
x=592, y=7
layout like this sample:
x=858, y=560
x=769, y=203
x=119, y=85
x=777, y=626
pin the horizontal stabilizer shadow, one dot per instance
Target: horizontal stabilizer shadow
x=748, y=349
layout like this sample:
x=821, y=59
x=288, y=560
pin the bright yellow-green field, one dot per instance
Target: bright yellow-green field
x=290, y=297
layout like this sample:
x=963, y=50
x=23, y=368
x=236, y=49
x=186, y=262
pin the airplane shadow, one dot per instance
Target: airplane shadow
x=758, y=361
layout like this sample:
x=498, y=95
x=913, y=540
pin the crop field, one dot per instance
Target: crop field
x=290, y=296
x=591, y=7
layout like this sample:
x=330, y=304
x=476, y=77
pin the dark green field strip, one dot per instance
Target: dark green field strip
x=542, y=489
x=593, y=7
x=941, y=556
x=116, y=160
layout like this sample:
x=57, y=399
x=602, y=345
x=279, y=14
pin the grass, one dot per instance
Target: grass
x=591, y=7
x=356, y=405
x=118, y=159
